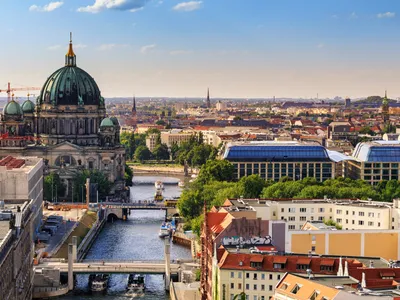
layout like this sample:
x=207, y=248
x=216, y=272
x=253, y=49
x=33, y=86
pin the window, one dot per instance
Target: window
x=284, y=286
x=352, y=222
x=239, y=286
x=379, y=224
x=392, y=219
x=263, y=287
x=339, y=211
x=232, y=285
x=282, y=210
x=361, y=213
x=278, y=277
x=279, y=266
x=303, y=209
x=347, y=212
x=360, y=222
x=262, y=276
x=255, y=287
x=270, y=287
x=255, y=276
x=232, y=274
x=254, y=297
x=347, y=221
x=326, y=268
x=321, y=209
x=313, y=238
x=354, y=213
x=292, y=209
x=314, y=295
x=303, y=218
x=262, y=298
x=312, y=210
x=232, y=296
x=302, y=267
x=292, y=227
x=320, y=218
x=313, y=248
x=370, y=223
x=338, y=220
x=371, y=214
x=247, y=286
x=295, y=289
x=247, y=275
x=270, y=276
x=240, y=275
x=292, y=218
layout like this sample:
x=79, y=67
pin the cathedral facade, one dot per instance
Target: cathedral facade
x=67, y=126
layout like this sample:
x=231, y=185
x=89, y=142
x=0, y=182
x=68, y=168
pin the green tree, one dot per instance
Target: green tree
x=332, y=223
x=160, y=152
x=79, y=184
x=219, y=170
x=128, y=175
x=53, y=187
x=142, y=153
x=241, y=296
x=161, y=122
x=128, y=140
x=251, y=186
x=237, y=118
x=153, y=131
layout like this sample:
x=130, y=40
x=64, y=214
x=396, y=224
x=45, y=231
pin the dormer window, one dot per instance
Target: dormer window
x=303, y=263
x=296, y=289
x=279, y=262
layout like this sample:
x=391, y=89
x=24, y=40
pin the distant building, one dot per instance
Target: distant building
x=208, y=101
x=16, y=249
x=347, y=103
x=171, y=137
x=151, y=141
x=385, y=109
x=21, y=178
x=341, y=131
x=375, y=161
x=273, y=160
x=221, y=106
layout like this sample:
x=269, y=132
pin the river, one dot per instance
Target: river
x=135, y=239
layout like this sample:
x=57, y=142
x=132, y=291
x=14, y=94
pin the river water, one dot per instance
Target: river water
x=135, y=239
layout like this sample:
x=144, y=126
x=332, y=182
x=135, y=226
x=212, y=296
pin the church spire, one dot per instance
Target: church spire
x=208, y=98
x=134, y=104
x=70, y=57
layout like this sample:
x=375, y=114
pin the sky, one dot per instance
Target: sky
x=237, y=48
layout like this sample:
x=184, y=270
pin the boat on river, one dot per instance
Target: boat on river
x=159, y=185
x=136, y=282
x=165, y=230
x=98, y=282
x=181, y=184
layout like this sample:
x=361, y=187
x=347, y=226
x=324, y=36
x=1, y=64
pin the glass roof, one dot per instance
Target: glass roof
x=380, y=151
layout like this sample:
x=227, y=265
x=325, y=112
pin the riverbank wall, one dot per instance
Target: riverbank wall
x=89, y=239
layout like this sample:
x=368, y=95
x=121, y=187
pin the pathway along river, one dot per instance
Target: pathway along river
x=136, y=239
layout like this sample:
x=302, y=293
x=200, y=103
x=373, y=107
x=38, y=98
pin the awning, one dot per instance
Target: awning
x=257, y=258
x=303, y=261
x=327, y=262
x=280, y=260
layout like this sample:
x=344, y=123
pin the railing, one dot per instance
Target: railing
x=101, y=261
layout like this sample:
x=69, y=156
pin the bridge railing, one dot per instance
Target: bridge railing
x=101, y=261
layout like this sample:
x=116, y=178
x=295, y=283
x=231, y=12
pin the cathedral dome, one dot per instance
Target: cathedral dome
x=115, y=121
x=107, y=122
x=28, y=107
x=12, y=108
x=70, y=85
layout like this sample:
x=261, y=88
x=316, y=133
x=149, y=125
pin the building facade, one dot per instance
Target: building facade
x=171, y=137
x=16, y=251
x=67, y=127
x=273, y=160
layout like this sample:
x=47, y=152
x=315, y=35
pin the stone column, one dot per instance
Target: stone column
x=75, y=249
x=167, y=257
x=70, y=268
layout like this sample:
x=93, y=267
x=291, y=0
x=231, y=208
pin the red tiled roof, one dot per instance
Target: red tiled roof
x=280, y=260
x=327, y=262
x=257, y=258
x=388, y=274
x=303, y=261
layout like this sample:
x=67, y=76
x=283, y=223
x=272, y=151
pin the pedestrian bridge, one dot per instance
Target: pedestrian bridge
x=120, y=267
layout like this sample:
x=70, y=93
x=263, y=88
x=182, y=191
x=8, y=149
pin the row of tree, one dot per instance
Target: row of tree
x=215, y=184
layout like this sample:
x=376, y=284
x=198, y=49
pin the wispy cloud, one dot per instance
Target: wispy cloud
x=54, y=47
x=46, y=8
x=121, y=5
x=147, y=48
x=180, y=52
x=353, y=15
x=386, y=15
x=320, y=45
x=188, y=6
x=80, y=46
x=106, y=47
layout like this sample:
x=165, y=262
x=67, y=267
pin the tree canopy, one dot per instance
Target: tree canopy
x=53, y=188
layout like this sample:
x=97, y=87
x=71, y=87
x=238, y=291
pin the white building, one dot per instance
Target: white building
x=221, y=106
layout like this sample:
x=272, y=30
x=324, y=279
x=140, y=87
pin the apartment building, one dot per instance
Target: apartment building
x=275, y=159
x=151, y=141
x=375, y=161
x=348, y=213
x=175, y=137
x=21, y=178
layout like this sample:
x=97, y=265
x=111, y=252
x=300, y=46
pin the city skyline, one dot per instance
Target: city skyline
x=179, y=48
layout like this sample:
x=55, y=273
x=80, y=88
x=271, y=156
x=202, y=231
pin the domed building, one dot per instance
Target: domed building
x=68, y=127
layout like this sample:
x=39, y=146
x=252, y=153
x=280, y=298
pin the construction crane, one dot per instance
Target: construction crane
x=10, y=91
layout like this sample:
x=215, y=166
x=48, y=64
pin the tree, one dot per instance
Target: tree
x=153, y=131
x=332, y=223
x=241, y=296
x=161, y=122
x=142, y=153
x=237, y=118
x=220, y=170
x=251, y=186
x=128, y=175
x=79, y=182
x=53, y=187
x=128, y=140
x=160, y=152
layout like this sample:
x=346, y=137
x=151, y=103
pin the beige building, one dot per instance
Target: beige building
x=221, y=106
x=21, y=178
x=16, y=250
x=175, y=137
x=151, y=141
x=350, y=214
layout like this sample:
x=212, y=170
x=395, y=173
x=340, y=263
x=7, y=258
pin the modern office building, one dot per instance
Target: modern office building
x=16, y=250
x=273, y=160
x=21, y=178
x=375, y=161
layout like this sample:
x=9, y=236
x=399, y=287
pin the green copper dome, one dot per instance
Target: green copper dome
x=12, y=108
x=70, y=85
x=115, y=121
x=107, y=122
x=28, y=106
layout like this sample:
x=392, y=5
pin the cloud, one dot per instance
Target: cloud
x=353, y=15
x=80, y=46
x=46, y=8
x=386, y=15
x=54, y=47
x=180, y=52
x=188, y=6
x=121, y=5
x=320, y=45
x=147, y=48
x=106, y=47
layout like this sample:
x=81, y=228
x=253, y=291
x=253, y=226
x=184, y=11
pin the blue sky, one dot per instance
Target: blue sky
x=238, y=48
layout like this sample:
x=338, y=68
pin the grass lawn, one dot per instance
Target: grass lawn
x=80, y=231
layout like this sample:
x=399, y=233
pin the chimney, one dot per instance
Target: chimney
x=346, y=269
x=340, y=269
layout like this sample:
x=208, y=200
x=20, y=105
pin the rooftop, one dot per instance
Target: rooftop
x=18, y=164
x=378, y=151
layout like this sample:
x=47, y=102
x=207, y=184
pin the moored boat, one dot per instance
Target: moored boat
x=98, y=282
x=136, y=282
x=165, y=230
x=159, y=185
x=181, y=184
